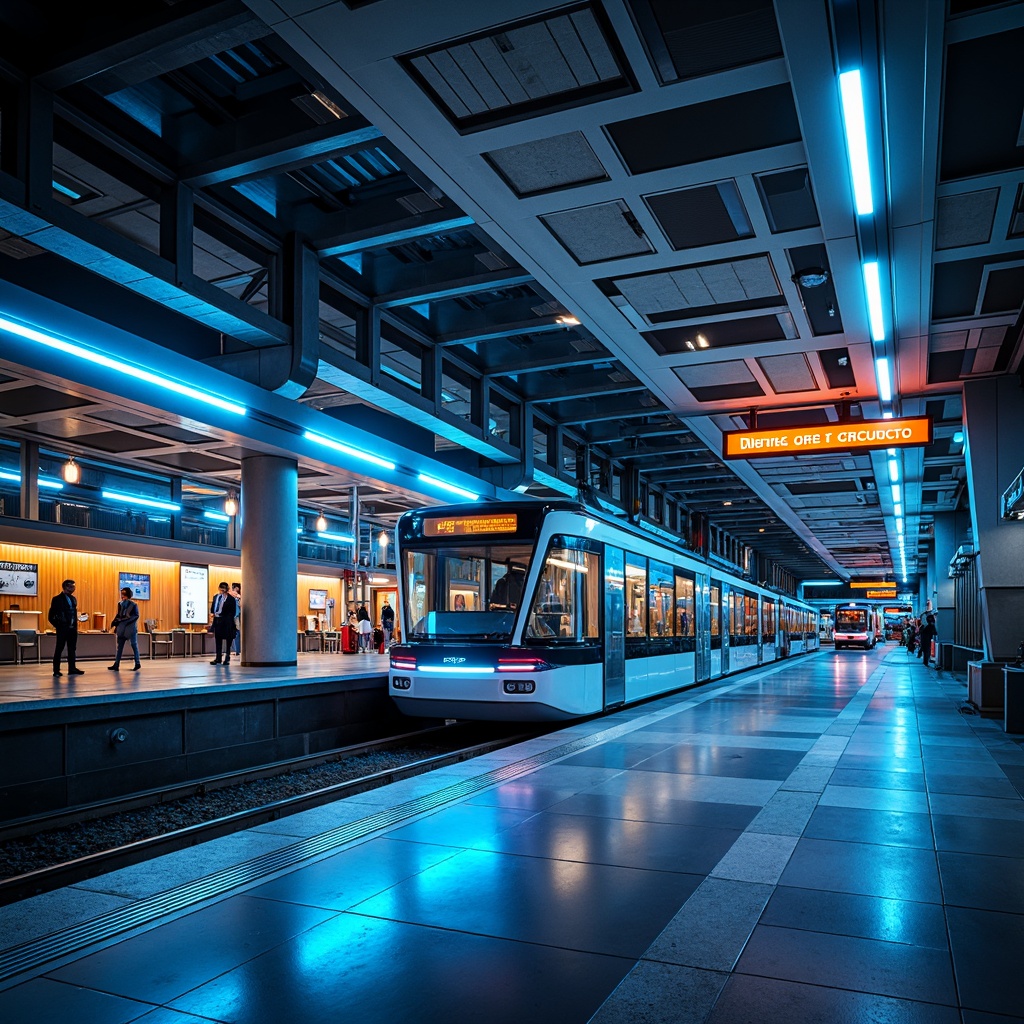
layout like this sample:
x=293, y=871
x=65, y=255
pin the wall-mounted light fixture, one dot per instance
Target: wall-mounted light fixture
x=231, y=504
x=71, y=472
x=321, y=523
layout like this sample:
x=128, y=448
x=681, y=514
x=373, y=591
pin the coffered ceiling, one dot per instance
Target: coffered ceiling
x=556, y=247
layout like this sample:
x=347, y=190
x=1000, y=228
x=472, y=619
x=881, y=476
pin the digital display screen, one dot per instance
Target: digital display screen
x=136, y=582
x=466, y=526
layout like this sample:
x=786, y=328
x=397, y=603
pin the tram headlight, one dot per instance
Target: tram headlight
x=519, y=686
x=401, y=682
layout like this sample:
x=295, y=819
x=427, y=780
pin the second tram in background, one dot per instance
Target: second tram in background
x=536, y=612
x=857, y=625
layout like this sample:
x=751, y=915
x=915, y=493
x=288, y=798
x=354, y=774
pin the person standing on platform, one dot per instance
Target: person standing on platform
x=928, y=634
x=365, y=627
x=63, y=616
x=126, y=627
x=387, y=622
x=222, y=622
x=236, y=593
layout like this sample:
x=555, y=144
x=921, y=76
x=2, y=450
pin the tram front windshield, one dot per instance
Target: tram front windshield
x=464, y=592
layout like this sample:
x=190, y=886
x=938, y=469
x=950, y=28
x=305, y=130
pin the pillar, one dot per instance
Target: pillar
x=30, y=480
x=270, y=560
x=951, y=530
x=994, y=425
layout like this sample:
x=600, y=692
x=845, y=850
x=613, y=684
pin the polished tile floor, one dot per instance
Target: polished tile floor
x=828, y=840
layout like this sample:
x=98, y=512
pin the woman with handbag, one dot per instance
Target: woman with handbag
x=126, y=627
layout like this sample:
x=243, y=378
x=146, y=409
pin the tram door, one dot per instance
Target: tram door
x=727, y=624
x=702, y=627
x=614, y=627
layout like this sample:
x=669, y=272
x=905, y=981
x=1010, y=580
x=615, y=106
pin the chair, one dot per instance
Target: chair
x=155, y=642
x=28, y=639
x=331, y=641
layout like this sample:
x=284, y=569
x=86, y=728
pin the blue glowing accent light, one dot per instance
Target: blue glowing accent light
x=64, y=190
x=897, y=498
x=958, y=437
x=873, y=293
x=894, y=471
x=884, y=380
x=134, y=499
x=852, y=96
x=136, y=373
x=50, y=485
x=356, y=453
x=217, y=517
x=823, y=583
x=338, y=538
x=432, y=481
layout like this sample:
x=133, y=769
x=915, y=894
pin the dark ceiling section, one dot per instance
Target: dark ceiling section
x=547, y=247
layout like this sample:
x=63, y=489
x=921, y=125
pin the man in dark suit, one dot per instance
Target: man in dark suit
x=222, y=620
x=63, y=616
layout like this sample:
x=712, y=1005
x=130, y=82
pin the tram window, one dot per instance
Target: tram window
x=636, y=596
x=716, y=602
x=684, y=606
x=659, y=604
x=567, y=603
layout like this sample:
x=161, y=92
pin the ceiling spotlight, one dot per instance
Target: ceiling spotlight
x=726, y=502
x=567, y=320
x=231, y=504
x=71, y=472
x=702, y=342
x=321, y=522
x=812, y=277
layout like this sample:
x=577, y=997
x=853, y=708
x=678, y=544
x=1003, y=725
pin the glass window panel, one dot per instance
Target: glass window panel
x=636, y=596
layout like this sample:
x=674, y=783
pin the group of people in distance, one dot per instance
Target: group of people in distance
x=225, y=625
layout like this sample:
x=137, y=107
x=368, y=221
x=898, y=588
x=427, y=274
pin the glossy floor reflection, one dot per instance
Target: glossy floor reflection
x=829, y=840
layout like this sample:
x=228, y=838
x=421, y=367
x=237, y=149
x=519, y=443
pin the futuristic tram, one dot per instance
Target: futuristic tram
x=536, y=612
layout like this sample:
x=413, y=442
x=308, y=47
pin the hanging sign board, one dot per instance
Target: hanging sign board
x=877, y=585
x=912, y=431
x=880, y=595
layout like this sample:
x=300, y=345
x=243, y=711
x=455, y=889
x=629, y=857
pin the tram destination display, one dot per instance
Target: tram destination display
x=465, y=526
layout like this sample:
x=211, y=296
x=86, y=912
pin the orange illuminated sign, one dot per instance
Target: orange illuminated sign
x=831, y=437
x=877, y=585
x=881, y=595
x=463, y=526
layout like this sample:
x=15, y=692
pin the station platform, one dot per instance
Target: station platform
x=70, y=742
x=828, y=839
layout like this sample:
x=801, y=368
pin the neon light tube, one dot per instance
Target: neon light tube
x=897, y=509
x=823, y=583
x=134, y=499
x=217, y=517
x=451, y=488
x=563, y=564
x=52, y=485
x=894, y=471
x=338, y=538
x=356, y=453
x=899, y=526
x=852, y=97
x=896, y=499
x=873, y=292
x=884, y=381
x=128, y=369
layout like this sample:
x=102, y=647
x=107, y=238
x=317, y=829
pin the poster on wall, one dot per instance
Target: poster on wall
x=136, y=582
x=19, y=578
x=195, y=590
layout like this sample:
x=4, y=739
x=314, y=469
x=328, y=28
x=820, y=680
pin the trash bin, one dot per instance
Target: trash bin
x=1013, y=699
x=985, y=684
x=99, y=621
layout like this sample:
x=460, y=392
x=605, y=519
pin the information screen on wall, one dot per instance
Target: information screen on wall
x=195, y=590
x=137, y=583
x=19, y=578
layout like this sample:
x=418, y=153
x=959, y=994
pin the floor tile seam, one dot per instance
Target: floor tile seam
x=866, y=938
x=852, y=991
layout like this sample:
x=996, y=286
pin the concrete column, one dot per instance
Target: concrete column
x=951, y=530
x=30, y=481
x=994, y=425
x=270, y=561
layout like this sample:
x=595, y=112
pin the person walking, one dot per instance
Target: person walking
x=222, y=622
x=928, y=634
x=387, y=622
x=236, y=593
x=63, y=616
x=126, y=627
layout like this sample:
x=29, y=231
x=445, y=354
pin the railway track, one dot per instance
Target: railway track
x=54, y=851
